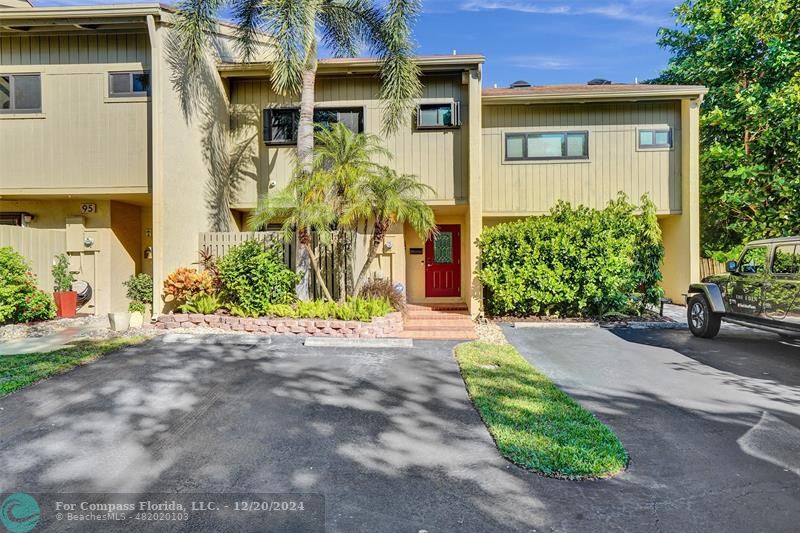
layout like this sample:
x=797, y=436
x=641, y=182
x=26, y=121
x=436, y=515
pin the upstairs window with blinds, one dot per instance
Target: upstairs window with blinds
x=280, y=124
x=126, y=84
x=547, y=146
x=20, y=93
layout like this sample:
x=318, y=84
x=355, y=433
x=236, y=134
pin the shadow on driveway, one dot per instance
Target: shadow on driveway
x=390, y=438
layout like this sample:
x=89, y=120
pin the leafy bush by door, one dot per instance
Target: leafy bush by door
x=575, y=262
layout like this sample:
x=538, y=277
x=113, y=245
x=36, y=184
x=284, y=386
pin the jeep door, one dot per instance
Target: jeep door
x=746, y=284
x=782, y=292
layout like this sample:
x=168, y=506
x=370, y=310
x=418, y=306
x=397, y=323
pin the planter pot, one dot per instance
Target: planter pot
x=119, y=321
x=136, y=320
x=66, y=303
x=148, y=313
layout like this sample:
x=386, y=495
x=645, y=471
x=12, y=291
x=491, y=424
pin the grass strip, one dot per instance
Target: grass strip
x=20, y=370
x=534, y=423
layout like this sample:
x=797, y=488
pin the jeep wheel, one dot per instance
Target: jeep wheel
x=702, y=322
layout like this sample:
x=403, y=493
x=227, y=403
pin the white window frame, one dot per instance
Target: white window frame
x=131, y=93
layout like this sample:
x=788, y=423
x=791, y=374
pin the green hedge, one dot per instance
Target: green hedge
x=576, y=261
x=20, y=299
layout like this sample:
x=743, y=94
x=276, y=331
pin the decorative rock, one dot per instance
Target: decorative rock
x=180, y=318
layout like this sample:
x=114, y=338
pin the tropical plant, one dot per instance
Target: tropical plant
x=305, y=206
x=62, y=277
x=185, y=283
x=253, y=275
x=345, y=27
x=387, y=198
x=362, y=309
x=747, y=52
x=140, y=288
x=20, y=299
x=342, y=160
x=208, y=262
x=383, y=288
x=205, y=304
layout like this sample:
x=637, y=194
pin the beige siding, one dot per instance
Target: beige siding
x=82, y=141
x=615, y=163
x=438, y=158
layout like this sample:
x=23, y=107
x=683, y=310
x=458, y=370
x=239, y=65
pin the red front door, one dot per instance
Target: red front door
x=443, y=262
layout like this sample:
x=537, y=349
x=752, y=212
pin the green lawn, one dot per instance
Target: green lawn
x=534, y=423
x=18, y=371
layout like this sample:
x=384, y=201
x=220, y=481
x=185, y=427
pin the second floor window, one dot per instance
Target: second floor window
x=280, y=124
x=655, y=138
x=20, y=93
x=544, y=146
x=122, y=84
x=433, y=116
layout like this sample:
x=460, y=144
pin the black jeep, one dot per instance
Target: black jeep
x=761, y=290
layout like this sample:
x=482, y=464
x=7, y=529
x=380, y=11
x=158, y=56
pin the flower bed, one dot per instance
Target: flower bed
x=387, y=326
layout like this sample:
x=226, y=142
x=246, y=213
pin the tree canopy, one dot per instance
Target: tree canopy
x=747, y=52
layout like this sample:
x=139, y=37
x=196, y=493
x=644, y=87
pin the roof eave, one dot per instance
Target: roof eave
x=581, y=97
x=355, y=66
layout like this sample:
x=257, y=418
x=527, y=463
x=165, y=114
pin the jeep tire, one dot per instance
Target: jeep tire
x=702, y=321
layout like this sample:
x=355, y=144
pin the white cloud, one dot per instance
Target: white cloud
x=539, y=62
x=631, y=11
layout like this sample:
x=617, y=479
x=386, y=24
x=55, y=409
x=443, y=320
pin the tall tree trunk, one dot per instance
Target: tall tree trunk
x=378, y=234
x=305, y=127
x=305, y=158
x=340, y=257
x=315, y=267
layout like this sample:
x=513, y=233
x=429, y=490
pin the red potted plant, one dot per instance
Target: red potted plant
x=66, y=299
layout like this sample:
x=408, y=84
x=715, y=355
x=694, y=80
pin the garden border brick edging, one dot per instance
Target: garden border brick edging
x=386, y=326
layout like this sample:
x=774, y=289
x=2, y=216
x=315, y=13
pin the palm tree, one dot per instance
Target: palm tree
x=305, y=206
x=386, y=198
x=342, y=161
x=344, y=26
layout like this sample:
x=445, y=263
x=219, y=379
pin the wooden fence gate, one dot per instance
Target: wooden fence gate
x=39, y=247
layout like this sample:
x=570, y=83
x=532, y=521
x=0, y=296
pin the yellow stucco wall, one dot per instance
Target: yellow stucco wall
x=115, y=228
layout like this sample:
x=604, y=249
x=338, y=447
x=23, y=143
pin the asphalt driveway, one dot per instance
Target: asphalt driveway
x=390, y=438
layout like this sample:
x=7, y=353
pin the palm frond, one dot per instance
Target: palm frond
x=248, y=17
x=195, y=21
x=289, y=23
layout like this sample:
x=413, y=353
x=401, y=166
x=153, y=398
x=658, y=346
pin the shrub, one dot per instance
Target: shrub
x=20, y=299
x=208, y=262
x=136, y=307
x=574, y=262
x=62, y=277
x=206, y=304
x=384, y=288
x=184, y=283
x=254, y=276
x=362, y=309
x=140, y=288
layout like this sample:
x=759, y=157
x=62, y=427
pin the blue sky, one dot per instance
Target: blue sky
x=541, y=41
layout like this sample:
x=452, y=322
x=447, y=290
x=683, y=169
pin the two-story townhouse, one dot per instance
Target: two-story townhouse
x=158, y=170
